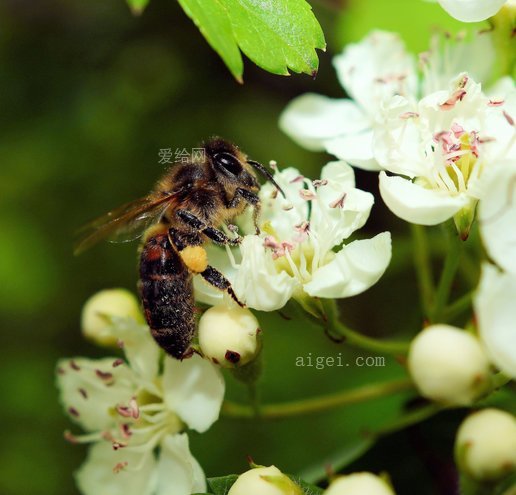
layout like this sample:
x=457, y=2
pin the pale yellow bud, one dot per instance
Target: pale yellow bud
x=359, y=484
x=448, y=365
x=101, y=307
x=229, y=336
x=264, y=481
x=485, y=447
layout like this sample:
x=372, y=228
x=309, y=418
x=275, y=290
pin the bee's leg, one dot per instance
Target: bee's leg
x=181, y=239
x=252, y=199
x=215, y=278
x=212, y=233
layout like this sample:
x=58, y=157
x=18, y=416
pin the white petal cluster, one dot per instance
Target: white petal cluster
x=359, y=484
x=485, y=446
x=300, y=252
x=448, y=365
x=372, y=72
x=135, y=411
x=495, y=310
x=369, y=71
x=439, y=150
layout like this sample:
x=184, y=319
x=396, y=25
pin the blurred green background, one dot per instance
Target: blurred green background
x=89, y=94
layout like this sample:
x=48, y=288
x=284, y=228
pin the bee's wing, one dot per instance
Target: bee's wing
x=126, y=223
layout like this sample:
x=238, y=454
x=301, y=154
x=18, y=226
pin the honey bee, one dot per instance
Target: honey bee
x=184, y=210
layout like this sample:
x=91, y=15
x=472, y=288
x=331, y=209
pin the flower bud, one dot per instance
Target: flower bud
x=229, y=336
x=485, y=447
x=448, y=365
x=264, y=481
x=101, y=307
x=359, y=484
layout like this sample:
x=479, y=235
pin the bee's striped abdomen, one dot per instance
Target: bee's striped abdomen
x=167, y=295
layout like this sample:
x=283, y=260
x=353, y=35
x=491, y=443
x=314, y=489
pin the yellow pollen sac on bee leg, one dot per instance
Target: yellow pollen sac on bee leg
x=195, y=258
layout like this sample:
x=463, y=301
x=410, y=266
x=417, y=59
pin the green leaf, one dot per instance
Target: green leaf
x=277, y=35
x=221, y=484
x=213, y=21
x=137, y=6
x=338, y=460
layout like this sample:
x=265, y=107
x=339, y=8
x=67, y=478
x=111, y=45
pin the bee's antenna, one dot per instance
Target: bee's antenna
x=258, y=166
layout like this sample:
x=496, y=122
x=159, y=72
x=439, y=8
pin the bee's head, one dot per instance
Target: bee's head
x=231, y=166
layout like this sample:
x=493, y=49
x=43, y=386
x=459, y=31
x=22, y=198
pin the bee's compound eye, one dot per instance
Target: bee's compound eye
x=228, y=162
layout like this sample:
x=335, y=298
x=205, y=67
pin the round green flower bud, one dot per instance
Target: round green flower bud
x=99, y=308
x=485, y=447
x=229, y=336
x=264, y=481
x=448, y=365
x=359, y=484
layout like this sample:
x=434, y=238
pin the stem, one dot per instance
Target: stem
x=451, y=263
x=317, y=404
x=409, y=419
x=253, y=399
x=423, y=267
x=356, y=339
x=458, y=307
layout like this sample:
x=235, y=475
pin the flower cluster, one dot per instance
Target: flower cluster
x=301, y=252
x=135, y=411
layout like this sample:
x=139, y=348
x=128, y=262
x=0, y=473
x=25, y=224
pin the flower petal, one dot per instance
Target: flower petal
x=258, y=283
x=356, y=149
x=376, y=68
x=310, y=119
x=471, y=10
x=416, y=204
x=496, y=313
x=97, y=476
x=219, y=259
x=90, y=389
x=194, y=390
x=497, y=215
x=340, y=209
x=179, y=473
x=140, y=348
x=354, y=269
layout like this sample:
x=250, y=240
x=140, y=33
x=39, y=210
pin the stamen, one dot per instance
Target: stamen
x=74, y=365
x=339, y=202
x=307, y=195
x=120, y=466
x=83, y=393
x=117, y=362
x=319, y=183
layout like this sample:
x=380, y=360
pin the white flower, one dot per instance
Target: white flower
x=472, y=10
x=439, y=148
x=229, y=335
x=497, y=215
x=448, y=365
x=369, y=71
x=264, y=481
x=359, y=484
x=485, y=447
x=132, y=408
x=495, y=310
x=295, y=254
